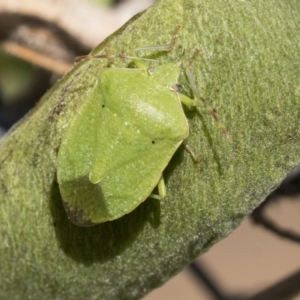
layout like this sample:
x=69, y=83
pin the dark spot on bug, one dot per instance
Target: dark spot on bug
x=103, y=105
x=153, y=142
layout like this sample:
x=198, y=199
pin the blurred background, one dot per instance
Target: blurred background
x=38, y=43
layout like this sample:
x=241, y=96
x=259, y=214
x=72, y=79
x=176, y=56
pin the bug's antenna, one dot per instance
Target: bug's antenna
x=191, y=78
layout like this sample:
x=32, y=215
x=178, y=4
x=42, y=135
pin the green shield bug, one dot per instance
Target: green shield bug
x=115, y=150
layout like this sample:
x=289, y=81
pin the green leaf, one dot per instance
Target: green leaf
x=248, y=70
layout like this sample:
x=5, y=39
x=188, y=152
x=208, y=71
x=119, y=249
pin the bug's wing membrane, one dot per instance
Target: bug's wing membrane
x=133, y=180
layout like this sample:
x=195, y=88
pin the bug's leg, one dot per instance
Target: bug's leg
x=162, y=191
x=112, y=56
x=166, y=47
x=190, y=151
x=107, y=55
x=187, y=101
x=191, y=79
x=138, y=61
x=190, y=103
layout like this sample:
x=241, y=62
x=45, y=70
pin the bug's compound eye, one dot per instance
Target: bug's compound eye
x=150, y=70
x=153, y=142
x=103, y=105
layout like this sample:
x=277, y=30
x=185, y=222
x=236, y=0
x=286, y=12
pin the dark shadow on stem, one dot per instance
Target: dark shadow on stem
x=103, y=241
